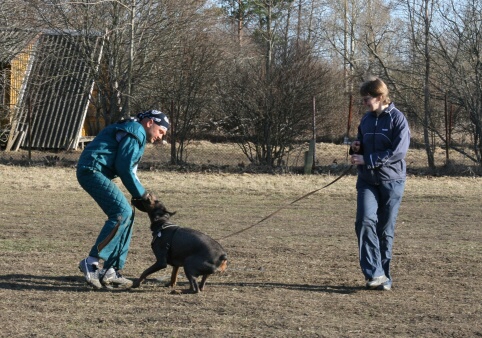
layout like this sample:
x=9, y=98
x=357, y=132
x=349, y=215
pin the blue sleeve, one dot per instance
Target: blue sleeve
x=128, y=156
x=400, y=144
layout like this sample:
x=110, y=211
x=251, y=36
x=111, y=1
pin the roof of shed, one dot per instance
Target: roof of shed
x=56, y=91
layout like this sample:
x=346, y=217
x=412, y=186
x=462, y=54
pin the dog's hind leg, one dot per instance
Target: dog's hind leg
x=203, y=282
x=194, y=287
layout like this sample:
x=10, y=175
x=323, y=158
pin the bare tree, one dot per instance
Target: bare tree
x=132, y=44
x=184, y=80
x=268, y=116
x=420, y=15
x=457, y=51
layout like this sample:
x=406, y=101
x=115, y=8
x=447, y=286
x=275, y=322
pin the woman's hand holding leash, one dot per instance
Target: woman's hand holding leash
x=356, y=159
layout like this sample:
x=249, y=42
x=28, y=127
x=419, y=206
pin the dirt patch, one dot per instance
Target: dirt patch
x=294, y=275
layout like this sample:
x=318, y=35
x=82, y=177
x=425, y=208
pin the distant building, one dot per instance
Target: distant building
x=46, y=86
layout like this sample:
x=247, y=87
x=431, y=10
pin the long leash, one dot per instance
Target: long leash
x=287, y=205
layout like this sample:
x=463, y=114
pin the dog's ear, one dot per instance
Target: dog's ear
x=167, y=214
x=155, y=206
x=158, y=211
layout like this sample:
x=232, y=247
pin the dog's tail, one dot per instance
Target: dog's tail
x=224, y=263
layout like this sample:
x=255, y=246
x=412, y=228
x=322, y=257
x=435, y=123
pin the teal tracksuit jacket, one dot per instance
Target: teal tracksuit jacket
x=115, y=152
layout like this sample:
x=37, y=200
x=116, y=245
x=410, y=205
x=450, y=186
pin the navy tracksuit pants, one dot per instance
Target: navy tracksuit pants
x=377, y=210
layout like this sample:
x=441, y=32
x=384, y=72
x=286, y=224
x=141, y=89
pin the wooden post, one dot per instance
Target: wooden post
x=29, y=128
x=309, y=158
x=314, y=135
x=346, y=140
x=446, y=130
x=173, y=134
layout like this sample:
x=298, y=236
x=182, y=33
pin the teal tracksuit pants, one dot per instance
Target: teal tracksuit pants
x=112, y=244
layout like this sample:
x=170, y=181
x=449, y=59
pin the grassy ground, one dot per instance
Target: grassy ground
x=294, y=275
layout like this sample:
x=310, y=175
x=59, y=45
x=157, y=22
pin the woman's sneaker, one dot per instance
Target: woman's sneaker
x=113, y=279
x=387, y=286
x=375, y=282
x=91, y=273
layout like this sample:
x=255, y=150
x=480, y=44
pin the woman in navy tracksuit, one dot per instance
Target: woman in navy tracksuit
x=379, y=153
x=116, y=152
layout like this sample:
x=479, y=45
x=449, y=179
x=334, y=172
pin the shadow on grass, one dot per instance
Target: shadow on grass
x=44, y=283
x=342, y=289
x=151, y=284
x=78, y=284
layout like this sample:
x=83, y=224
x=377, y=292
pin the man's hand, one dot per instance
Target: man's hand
x=144, y=202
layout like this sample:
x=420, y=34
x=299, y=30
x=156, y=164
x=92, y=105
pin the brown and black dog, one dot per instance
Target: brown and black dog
x=199, y=254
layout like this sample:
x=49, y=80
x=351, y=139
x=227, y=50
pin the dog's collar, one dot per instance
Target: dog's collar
x=168, y=225
x=158, y=231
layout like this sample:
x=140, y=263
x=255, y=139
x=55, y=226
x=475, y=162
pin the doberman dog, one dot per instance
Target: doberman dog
x=199, y=254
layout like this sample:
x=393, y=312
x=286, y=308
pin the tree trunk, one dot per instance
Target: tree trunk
x=427, y=118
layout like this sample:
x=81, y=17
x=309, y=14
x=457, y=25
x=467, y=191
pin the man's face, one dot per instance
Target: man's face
x=154, y=132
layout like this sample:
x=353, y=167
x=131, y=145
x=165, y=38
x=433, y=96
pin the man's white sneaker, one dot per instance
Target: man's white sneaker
x=91, y=273
x=112, y=279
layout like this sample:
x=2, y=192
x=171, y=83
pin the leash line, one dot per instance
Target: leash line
x=287, y=205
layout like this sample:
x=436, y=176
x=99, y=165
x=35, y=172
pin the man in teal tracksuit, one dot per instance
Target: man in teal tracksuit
x=116, y=152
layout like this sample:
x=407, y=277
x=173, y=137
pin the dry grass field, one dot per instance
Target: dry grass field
x=293, y=275
x=207, y=157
